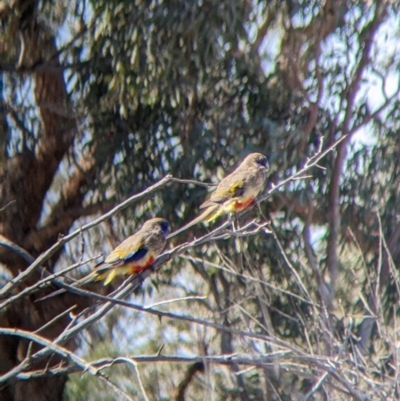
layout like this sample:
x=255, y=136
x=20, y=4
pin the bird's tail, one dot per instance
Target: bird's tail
x=211, y=213
x=107, y=276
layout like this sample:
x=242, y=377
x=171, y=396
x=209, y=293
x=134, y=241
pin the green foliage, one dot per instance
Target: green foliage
x=188, y=88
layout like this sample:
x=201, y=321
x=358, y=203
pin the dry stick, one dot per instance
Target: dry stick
x=291, y=267
x=264, y=362
x=27, y=362
x=250, y=278
x=242, y=232
x=180, y=299
x=377, y=292
x=104, y=363
x=264, y=310
x=250, y=317
x=3, y=208
x=55, y=319
x=312, y=261
x=49, y=280
x=51, y=346
x=65, y=336
x=310, y=162
x=139, y=378
x=194, y=182
x=323, y=289
x=16, y=249
x=325, y=374
x=383, y=245
x=116, y=389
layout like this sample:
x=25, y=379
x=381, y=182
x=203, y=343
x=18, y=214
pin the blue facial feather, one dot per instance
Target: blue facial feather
x=263, y=162
x=164, y=227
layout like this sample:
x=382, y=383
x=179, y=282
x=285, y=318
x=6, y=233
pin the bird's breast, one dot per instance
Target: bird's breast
x=241, y=204
x=141, y=265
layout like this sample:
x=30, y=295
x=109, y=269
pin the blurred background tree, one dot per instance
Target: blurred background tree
x=99, y=99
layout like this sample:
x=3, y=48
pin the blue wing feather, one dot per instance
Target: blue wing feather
x=135, y=256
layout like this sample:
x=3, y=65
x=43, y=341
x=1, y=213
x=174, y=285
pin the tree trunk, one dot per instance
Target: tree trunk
x=25, y=179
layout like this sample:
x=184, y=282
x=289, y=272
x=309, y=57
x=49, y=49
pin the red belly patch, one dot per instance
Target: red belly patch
x=140, y=268
x=243, y=205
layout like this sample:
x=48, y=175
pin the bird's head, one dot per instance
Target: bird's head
x=158, y=224
x=256, y=160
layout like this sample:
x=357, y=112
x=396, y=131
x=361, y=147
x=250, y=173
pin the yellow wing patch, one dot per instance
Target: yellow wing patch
x=236, y=189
